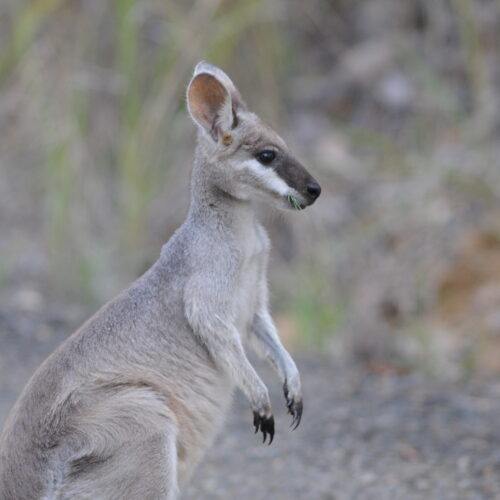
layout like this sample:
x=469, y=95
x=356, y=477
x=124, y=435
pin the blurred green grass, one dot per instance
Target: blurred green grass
x=108, y=83
x=95, y=95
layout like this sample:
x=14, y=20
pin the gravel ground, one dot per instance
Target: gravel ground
x=362, y=436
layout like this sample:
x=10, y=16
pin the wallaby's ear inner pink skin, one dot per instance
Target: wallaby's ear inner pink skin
x=126, y=407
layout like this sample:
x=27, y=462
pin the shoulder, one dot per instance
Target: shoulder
x=197, y=243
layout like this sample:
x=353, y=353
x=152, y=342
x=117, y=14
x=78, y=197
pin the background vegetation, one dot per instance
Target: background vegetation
x=393, y=105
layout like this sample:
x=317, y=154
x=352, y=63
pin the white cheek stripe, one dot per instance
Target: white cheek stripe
x=268, y=176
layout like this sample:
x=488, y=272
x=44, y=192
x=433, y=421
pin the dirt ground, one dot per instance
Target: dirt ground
x=363, y=436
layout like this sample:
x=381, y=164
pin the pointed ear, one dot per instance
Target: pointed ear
x=213, y=100
x=205, y=67
x=209, y=105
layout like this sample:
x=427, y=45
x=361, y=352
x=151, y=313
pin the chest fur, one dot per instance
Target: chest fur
x=254, y=251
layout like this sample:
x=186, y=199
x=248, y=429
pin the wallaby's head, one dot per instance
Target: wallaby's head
x=244, y=157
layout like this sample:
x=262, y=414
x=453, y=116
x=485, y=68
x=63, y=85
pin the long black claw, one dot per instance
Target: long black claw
x=297, y=416
x=295, y=409
x=268, y=427
x=265, y=425
x=271, y=437
x=256, y=421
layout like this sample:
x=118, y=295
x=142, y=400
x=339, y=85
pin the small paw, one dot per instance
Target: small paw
x=264, y=424
x=294, y=405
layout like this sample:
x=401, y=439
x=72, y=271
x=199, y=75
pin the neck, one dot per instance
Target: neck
x=209, y=201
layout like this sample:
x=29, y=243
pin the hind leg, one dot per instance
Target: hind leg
x=129, y=452
x=143, y=470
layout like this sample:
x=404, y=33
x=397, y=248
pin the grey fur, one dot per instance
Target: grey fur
x=125, y=408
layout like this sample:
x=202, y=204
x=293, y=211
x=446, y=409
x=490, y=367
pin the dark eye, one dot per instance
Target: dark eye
x=266, y=156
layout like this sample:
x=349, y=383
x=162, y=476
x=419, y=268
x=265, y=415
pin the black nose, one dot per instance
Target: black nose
x=314, y=189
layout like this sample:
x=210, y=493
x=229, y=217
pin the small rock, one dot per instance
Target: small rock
x=28, y=300
x=368, y=477
x=463, y=464
x=395, y=91
x=422, y=484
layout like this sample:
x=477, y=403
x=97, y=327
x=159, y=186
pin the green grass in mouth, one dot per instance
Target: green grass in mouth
x=294, y=202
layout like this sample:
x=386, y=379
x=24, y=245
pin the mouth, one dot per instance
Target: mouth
x=294, y=202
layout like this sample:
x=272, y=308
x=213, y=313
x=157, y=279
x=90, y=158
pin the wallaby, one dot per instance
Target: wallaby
x=126, y=406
